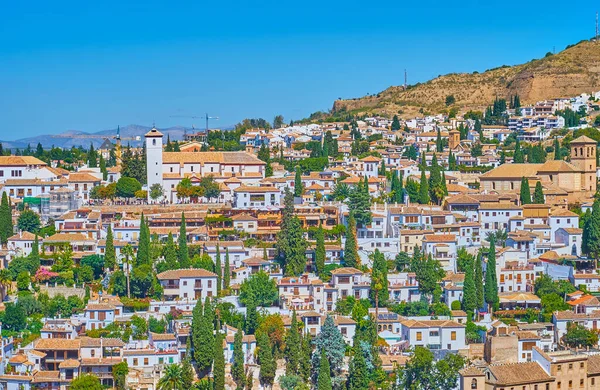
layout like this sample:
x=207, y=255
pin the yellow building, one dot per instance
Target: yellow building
x=577, y=178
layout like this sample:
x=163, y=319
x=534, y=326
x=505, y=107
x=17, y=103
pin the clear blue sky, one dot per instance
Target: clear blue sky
x=93, y=65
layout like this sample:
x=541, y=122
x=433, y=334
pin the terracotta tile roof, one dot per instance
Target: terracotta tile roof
x=440, y=237
x=83, y=177
x=584, y=139
x=471, y=371
x=162, y=337
x=593, y=366
x=67, y=237
x=20, y=160
x=90, y=342
x=24, y=236
x=99, y=307
x=232, y=158
x=512, y=171
x=58, y=344
x=518, y=373
x=559, y=166
x=431, y=324
x=256, y=189
x=69, y=363
x=18, y=359
x=186, y=273
x=346, y=271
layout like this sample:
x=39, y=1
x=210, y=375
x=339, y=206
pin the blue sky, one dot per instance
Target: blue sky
x=68, y=65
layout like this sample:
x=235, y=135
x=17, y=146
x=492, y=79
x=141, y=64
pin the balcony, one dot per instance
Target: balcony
x=171, y=291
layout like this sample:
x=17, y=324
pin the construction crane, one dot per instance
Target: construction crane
x=206, y=117
x=116, y=137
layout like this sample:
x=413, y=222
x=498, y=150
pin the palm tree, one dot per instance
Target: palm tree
x=127, y=252
x=171, y=380
x=499, y=235
x=5, y=282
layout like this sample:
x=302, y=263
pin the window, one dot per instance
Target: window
x=453, y=336
x=145, y=361
x=581, y=383
x=570, y=367
x=473, y=383
x=419, y=336
x=135, y=361
x=559, y=368
x=581, y=365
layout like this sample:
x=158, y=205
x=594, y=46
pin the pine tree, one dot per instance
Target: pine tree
x=184, y=256
x=219, y=368
x=238, y=372
x=219, y=270
x=351, y=258
x=538, y=194
x=110, y=260
x=226, y=271
x=358, y=374
x=171, y=253
x=320, y=250
x=423, y=188
x=267, y=363
x=469, y=302
x=395, y=123
x=478, y=276
x=557, y=152
x=359, y=202
x=324, y=378
x=6, y=224
x=491, y=281
x=525, y=195
x=292, y=348
x=298, y=187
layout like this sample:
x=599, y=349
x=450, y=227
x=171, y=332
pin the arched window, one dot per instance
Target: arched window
x=575, y=151
x=474, y=383
x=154, y=142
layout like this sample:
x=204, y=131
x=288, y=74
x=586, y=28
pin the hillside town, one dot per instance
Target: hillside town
x=449, y=251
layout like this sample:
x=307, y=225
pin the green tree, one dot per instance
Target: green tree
x=86, y=382
x=172, y=378
x=34, y=256
x=187, y=373
x=238, y=371
x=379, y=292
x=170, y=253
x=491, y=281
x=395, y=123
x=590, y=243
x=359, y=202
x=251, y=315
x=260, y=288
x=351, y=258
x=298, y=186
x=305, y=357
x=324, y=377
x=218, y=269
x=204, y=347
x=538, y=194
x=557, y=152
x=184, y=256
x=320, y=250
x=266, y=374
x=469, y=302
x=143, y=253
x=450, y=100
x=110, y=258
x=291, y=245
x=14, y=317
x=478, y=276
x=226, y=271
x=525, y=194
x=518, y=156
x=119, y=372
x=292, y=348
x=421, y=372
x=103, y=168
x=579, y=336
x=219, y=367
x=329, y=342
x=423, y=188
x=23, y=281
x=29, y=221
x=358, y=373
x=127, y=187
x=156, y=191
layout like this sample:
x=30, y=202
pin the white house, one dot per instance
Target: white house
x=195, y=283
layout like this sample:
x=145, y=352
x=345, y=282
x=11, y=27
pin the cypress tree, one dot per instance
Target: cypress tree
x=320, y=250
x=478, y=276
x=358, y=374
x=219, y=368
x=298, y=187
x=196, y=330
x=184, y=256
x=439, y=145
x=491, y=281
x=204, y=348
x=171, y=253
x=219, y=270
x=266, y=374
x=292, y=348
x=237, y=368
x=6, y=224
x=557, y=151
x=502, y=157
x=143, y=253
x=538, y=194
x=226, y=271
x=379, y=292
x=423, y=188
x=110, y=260
x=103, y=168
x=351, y=258
x=444, y=185
x=590, y=244
x=306, y=353
x=525, y=194
x=470, y=289
x=251, y=315
x=382, y=169
x=394, y=187
x=518, y=157
x=324, y=377
x=34, y=256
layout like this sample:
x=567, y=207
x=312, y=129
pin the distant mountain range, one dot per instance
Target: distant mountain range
x=71, y=138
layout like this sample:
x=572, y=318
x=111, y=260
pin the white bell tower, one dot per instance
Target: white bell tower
x=154, y=158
